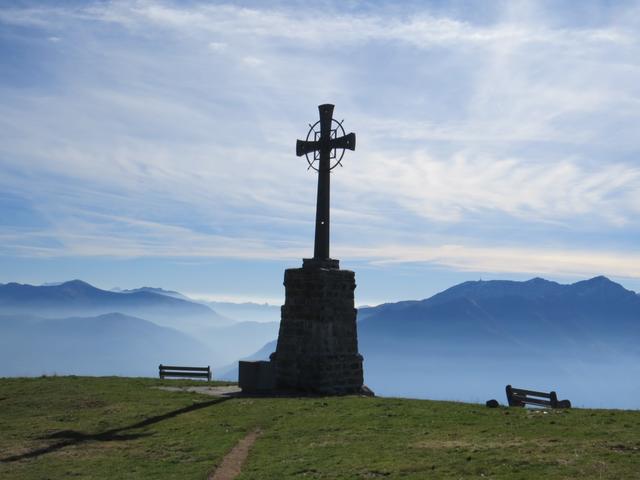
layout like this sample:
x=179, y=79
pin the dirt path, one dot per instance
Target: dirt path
x=226, y=391
x=232, y=462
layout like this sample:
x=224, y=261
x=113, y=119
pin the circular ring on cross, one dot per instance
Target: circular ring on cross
x=313, y=135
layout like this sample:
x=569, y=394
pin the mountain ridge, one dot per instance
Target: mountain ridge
x=76, y=297
x=475, y=337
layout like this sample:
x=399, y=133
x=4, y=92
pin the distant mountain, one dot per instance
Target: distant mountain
x=238, y=312
x=160, y=291
x=238, y=340
x=536, y=313
x=476, y=337
x=78, y=298
x=230, y=372
x=254, y=325
x=111, y=344
x=248, y=311
x=226, y=338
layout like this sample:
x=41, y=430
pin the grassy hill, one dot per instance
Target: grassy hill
x=81, y=427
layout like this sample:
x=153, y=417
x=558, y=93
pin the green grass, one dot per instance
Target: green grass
x=79, y=427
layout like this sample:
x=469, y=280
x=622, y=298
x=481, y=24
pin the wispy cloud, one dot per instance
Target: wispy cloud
x=165, y=129
x=124, y=238
x=509, y=260
x=452, y=188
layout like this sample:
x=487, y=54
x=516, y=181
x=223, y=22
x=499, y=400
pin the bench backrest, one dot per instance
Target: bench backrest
x=184, y=372
x=518, y=397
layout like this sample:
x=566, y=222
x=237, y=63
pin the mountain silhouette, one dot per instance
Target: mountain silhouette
x=160, y=291
x=470, y=340
x=225, y=339
x=537, y=313
x=78, y=298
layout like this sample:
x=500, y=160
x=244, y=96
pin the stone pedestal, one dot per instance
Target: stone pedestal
x=318, y=344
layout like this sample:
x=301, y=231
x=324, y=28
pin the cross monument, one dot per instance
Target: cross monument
x=317, y=348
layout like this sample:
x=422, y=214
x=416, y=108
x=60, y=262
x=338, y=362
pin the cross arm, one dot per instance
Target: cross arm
x=347, y=142
x=303, y=147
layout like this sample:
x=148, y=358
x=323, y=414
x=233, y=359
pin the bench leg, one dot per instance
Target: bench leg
x=510, y=399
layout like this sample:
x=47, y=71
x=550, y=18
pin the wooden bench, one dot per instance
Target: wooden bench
x=184, y=372
x=517, y=397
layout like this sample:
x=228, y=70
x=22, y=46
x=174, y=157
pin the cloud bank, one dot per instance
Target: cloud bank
x=501, y=141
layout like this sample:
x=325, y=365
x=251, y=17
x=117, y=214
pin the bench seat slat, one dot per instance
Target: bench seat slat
x=185, y=374
x=185, y=369
x=166, y=371
x=527, y=398
x=535, y=401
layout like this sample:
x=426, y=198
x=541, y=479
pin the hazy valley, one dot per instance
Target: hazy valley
x=464, y=343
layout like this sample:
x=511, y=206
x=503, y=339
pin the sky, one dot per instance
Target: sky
x=153, y=143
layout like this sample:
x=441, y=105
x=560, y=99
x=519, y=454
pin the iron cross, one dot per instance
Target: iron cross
x=326, y=143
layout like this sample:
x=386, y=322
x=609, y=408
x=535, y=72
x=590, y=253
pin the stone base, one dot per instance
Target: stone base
x=256, y=377
x=317, y=344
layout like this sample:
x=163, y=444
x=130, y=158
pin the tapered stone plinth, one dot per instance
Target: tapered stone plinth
x=318, y=344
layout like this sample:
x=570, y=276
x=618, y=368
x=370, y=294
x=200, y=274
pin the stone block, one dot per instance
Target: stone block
x=256, y=377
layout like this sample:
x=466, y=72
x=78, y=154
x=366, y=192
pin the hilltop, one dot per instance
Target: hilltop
x=104, y=428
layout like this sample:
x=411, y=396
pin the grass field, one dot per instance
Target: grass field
x=79, y=427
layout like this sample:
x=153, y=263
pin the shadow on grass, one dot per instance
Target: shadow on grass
x=73, y=438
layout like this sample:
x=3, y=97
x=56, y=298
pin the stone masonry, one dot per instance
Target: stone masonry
x=317, y=344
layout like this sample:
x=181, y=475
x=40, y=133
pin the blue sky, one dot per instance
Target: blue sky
x=152, y=143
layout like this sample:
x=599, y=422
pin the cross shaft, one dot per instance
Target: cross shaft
x=324, y=145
